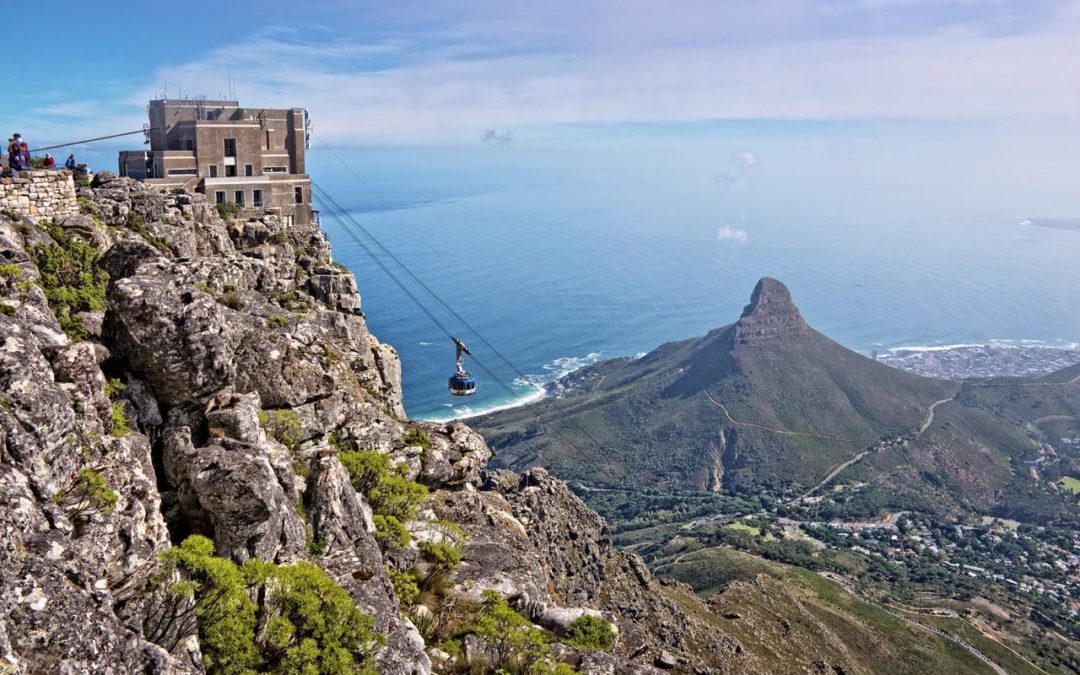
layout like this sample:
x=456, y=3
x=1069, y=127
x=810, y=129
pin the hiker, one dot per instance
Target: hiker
x=49, y=162
x=14, y=153
x=24, y=155
x=70, y=163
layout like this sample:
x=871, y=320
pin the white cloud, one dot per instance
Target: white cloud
x=510, y=65
x=733, y=234
x=740, y=164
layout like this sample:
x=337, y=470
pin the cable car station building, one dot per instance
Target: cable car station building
x=253, y=157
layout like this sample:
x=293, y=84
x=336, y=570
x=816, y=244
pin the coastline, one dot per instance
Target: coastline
x=993, y=358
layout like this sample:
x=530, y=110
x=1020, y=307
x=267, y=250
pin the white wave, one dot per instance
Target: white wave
x=426, y=344
x=538, y=386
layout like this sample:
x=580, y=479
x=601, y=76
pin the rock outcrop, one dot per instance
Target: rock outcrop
x=208, y=385
x=770, y=315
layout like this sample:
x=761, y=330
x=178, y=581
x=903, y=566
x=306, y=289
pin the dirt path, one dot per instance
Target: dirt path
x=930, y=413
x=774, y=430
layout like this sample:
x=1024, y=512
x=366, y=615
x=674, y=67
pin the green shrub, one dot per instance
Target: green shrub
x=416, y=437
x=87, y=205
x=227, y=210
x=589, y=633
x=6, y=309
x=114, y=386
x=9, y=271
x=119, y=419
x=444, y=554
x=386, y=488
x=509, y=639
x=72, y=279
x=303, y=621
x=390, y=533
x=88, y=493
x=277, y=321
x=291, y=300
x=405, y=586
x=279, y=237
x=232, y=300
x=284, y=426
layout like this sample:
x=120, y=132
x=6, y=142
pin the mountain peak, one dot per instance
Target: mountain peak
x=770, y=314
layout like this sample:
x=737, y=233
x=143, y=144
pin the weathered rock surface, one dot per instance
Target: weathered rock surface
x=229, y=368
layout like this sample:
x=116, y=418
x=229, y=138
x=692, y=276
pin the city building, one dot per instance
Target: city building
x=253, y=157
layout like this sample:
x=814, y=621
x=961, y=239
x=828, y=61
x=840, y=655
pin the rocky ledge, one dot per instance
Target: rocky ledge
x=166, y=373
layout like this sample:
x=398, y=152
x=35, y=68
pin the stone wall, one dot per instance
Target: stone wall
x=41, y=195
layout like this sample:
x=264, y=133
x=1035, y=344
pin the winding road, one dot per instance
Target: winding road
x=880, y=446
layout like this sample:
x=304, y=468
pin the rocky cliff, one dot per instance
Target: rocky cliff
x=166, y=373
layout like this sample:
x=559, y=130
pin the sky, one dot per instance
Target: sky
x=980, y=97
x=446, y=71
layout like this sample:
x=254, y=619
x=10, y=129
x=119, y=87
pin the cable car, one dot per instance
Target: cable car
x=462, y=383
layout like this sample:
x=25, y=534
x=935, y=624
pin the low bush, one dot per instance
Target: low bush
x=416, y=438
x=386, y=488
x=88, y=493
x=303, y=621
x=390, y=534
x=72, y=278
x=9, y=271
x=277, y=321
x=590, y=633
x=284, y=426
x=119, y=419
x=227, y=210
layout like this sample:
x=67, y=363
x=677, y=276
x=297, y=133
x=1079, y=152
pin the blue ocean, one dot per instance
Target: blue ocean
x=566, y=251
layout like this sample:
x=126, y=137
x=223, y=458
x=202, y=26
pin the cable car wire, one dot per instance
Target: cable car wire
x=345, y=219
x=419, y=282
x=92, y=140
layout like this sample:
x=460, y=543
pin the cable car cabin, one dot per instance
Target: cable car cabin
x=462, y=384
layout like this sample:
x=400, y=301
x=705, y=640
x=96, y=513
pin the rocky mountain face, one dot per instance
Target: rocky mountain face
x=166, y=373
x=770, y=315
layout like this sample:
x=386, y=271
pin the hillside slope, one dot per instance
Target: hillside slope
x=764, y=401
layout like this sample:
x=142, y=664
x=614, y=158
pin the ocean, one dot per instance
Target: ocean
x=560, y=255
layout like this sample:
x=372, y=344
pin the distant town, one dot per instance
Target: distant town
x=996, y=359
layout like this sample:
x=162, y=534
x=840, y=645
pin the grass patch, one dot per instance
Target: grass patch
x=227, y=210
x=1071, y=484
x=9, y=271
x=72, y=278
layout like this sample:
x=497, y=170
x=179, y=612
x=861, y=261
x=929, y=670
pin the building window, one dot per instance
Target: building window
x=230, y=147
x=256, y=198
x=249, y=170
x=298, y=195
x=230, y=170
x=239, y=197
x=182, y=172
x=274, y=169
x=213, y=170
x=187, y=144
x=267, y=140
x=219, y=197
x=288, y=220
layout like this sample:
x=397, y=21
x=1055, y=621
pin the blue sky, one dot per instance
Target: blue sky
x=993, y=86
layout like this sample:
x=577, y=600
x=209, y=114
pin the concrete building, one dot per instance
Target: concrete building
x=253, y=157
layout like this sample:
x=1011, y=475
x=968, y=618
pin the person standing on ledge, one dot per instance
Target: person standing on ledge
x=14, y=153
x=70, y=163
x=49, y=162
